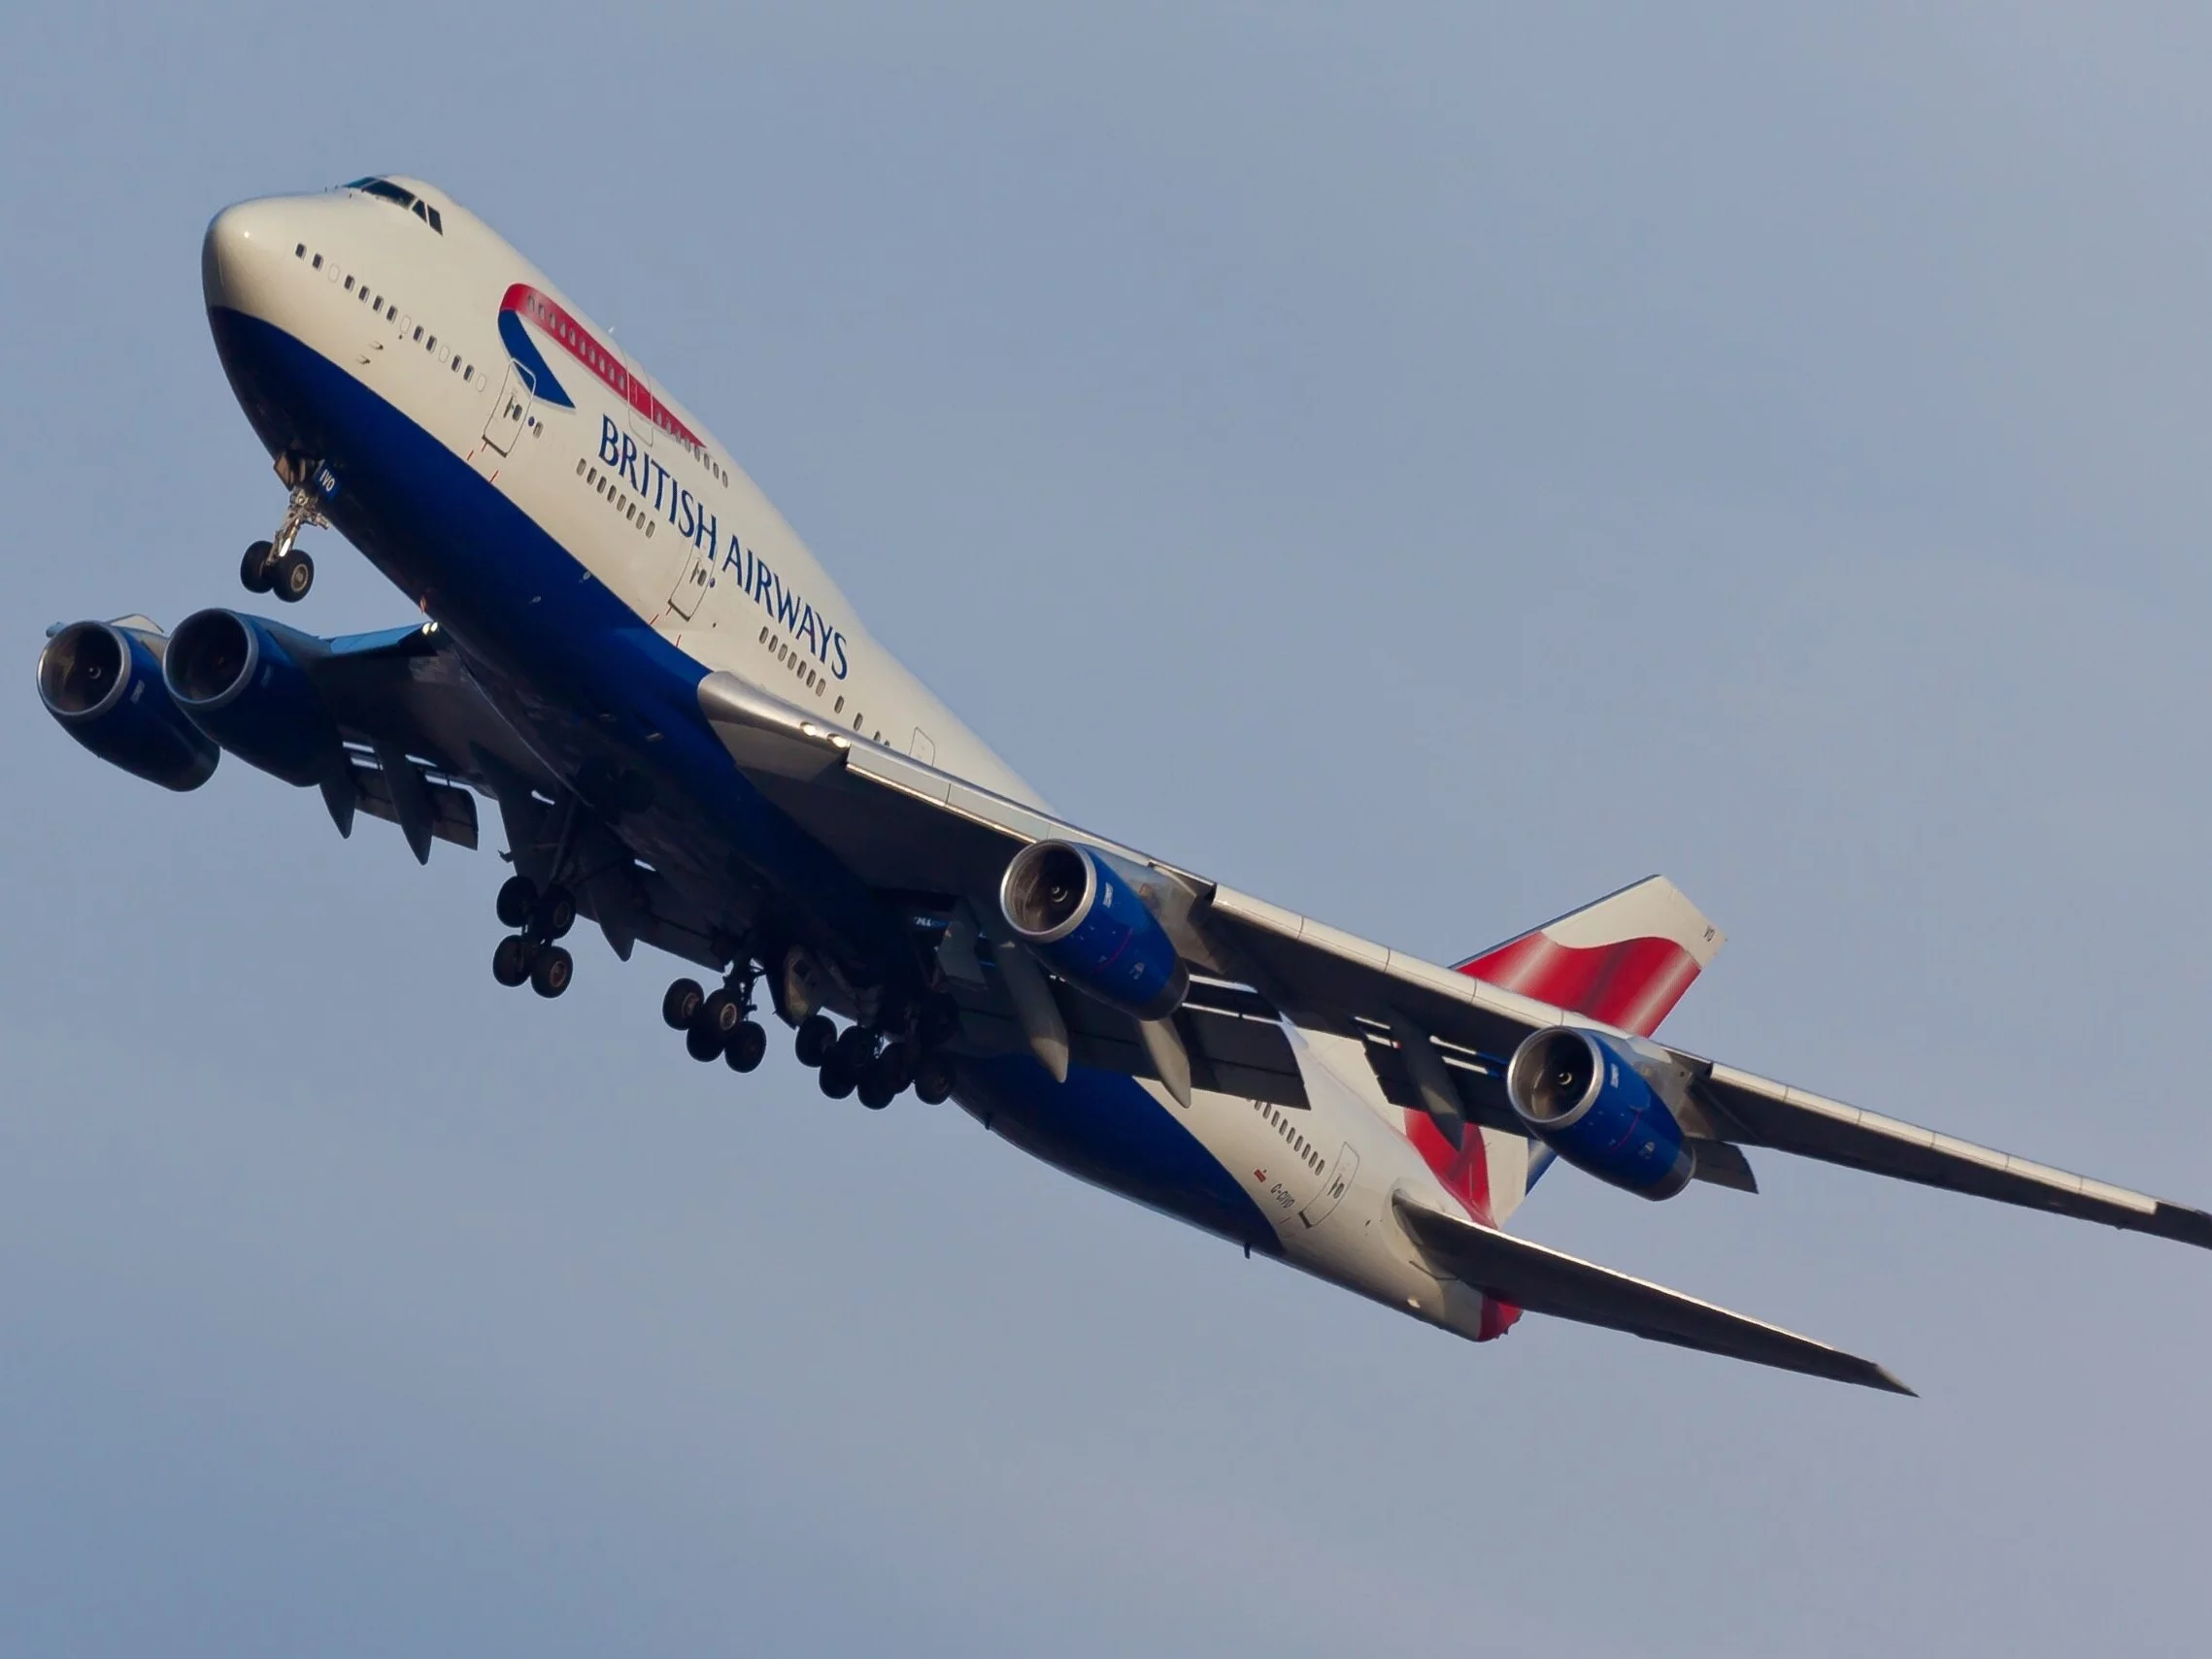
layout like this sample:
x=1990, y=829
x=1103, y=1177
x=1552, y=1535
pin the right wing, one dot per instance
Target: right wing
x=906, y=826
x=1478, y=1025
x=1549, y=1281
x=1754, y=1111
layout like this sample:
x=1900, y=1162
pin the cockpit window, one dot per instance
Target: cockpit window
x=404, y=200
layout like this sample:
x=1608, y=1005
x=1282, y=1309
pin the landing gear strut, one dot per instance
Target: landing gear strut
x=278, y=566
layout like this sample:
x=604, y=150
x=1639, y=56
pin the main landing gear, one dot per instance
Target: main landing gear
x=531, y=952
x=876, y=1065
x=278, y=566
x=716, y=1025
x=861, y=1059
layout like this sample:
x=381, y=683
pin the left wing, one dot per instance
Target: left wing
x=421, y=741
x=415, y=731
x=903, y=825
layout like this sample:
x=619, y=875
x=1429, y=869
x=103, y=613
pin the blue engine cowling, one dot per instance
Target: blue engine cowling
x=103, y=684
x=1581, y=1094
x=1082, y=915
x=239, y=679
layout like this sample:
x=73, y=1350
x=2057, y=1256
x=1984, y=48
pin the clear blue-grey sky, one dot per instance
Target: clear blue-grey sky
x=1427, y=465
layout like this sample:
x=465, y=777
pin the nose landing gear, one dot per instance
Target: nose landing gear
x=278, y=566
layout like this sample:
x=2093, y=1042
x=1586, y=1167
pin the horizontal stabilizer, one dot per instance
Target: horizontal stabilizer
x=1547, y=1282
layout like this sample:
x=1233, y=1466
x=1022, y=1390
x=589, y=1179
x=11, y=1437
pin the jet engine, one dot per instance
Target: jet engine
x=1084, y=914
x=102, y=682
x=239, y=679
x=1583, y=1095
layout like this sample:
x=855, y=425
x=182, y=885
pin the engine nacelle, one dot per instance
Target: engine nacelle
x=1581, y=1094
x=239, y=679
x=1083, y=913
x=103, y=684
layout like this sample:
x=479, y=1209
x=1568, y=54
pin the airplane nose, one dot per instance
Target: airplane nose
x=243, y=243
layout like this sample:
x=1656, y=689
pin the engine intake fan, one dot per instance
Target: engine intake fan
x=102, y=683
x=1087, y=917
x=1581, y=1094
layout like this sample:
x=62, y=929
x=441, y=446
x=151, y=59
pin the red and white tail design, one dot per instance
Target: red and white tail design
x=1625, y=960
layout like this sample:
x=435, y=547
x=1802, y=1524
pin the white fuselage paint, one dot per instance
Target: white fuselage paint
x=1335, y=1221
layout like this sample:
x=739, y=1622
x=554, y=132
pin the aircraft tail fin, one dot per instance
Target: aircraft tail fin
x=1625, y=959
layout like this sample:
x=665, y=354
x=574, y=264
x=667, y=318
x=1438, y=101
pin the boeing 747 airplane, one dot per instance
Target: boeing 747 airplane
x=693, y=743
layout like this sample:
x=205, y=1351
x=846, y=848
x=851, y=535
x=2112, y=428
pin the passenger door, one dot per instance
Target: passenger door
x=691, y=586
x=1336, y=1181
x=512, y=411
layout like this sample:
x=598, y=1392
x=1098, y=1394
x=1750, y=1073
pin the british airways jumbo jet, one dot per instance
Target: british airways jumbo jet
x=693, y=743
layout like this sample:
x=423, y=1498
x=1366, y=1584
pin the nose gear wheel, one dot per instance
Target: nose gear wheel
x=277, y=566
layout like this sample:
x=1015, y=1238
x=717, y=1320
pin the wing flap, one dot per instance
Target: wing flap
x=451, y=807
x=405, y=690
x=1545, y=1281
x=1234, y=1043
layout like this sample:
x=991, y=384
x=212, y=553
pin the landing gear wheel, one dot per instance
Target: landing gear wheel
x=510, y=961
x=746, y=1046
x=816, y=1036
x=897, y=1063
x=876, y=1088
x=836, y=1081
x=855, y=1050
x=701, y=1040
x=290, y=575
x=254, y=568
x=550, y=971
x=518, y=897
x=933, y=1080
x=554, y=914
x=680, y=1002
x=724, y=1012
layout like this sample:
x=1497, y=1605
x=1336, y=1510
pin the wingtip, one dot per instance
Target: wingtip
x=1863, y=1373
x=2182, y=1224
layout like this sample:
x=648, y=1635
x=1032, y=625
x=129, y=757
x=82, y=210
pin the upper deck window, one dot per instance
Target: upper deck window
x=405, y=200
